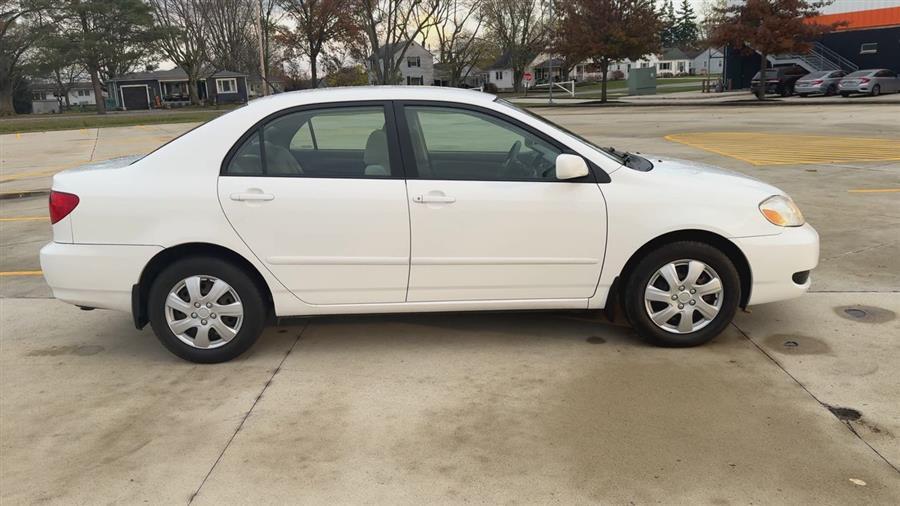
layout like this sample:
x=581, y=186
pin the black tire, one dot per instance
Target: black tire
x=254, y=308
x=876, y=90
x=845, y=94
x=787, y=91
x=831, y=90
x=634, y=287
x=803, y=95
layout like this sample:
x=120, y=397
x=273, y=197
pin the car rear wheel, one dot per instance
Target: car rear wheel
x=876, y=90
x=803, y=95
x=206, y=310
x=682, y=294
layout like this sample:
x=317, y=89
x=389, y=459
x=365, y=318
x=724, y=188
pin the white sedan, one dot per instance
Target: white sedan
x=405, y=199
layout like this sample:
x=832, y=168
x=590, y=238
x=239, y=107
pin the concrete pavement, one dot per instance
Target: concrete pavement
x=556, y=407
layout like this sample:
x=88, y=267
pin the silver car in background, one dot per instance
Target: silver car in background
x=873, y=82
x=823, y=81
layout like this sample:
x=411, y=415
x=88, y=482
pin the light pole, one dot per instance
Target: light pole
x=550, y=59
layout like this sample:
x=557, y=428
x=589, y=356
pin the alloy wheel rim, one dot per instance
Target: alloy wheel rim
x=204, y=312
x=683, y=296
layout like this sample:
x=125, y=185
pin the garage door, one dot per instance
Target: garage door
x=135, y=97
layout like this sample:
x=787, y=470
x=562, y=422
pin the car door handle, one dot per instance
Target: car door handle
x=252, y=196
x=433, y=199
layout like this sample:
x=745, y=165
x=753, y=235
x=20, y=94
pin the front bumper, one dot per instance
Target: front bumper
x=95, y=275
x=775, y=259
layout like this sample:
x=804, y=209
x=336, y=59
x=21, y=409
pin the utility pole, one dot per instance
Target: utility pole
x=262, y=49
x=550, y=59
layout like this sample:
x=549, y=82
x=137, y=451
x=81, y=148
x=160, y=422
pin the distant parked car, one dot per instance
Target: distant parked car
x=824, y=82
x=780, y=80
x=873, y=82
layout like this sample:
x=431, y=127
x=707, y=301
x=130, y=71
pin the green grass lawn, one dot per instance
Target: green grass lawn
x=72, y=121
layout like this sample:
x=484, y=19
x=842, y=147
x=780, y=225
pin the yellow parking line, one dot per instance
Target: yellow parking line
x=21, y=273
x=875, y=190
x=26, y=218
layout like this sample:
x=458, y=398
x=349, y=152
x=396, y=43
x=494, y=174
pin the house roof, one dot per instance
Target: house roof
x=175, y=74
x=502, y=62
x=50, y=85
x=550, y=62
x=393, y=48
x=674, y=53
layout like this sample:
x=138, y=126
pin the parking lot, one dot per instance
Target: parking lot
x=797, y=401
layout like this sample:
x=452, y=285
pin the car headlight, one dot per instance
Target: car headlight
x=780, y=210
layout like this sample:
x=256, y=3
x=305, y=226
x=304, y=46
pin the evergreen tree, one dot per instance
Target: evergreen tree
x=686, y=30
x=668, y=35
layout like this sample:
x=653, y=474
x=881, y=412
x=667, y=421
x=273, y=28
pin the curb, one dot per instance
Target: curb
x=24, y=194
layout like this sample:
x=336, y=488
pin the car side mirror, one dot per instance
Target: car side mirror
x=570, y=167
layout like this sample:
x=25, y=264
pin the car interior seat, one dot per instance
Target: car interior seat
x=376, y=155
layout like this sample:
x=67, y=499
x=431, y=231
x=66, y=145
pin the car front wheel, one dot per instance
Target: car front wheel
x=682, y=294
x=206, y=310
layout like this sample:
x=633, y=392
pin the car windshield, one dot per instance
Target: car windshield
x=615, y=155
x=860, y=73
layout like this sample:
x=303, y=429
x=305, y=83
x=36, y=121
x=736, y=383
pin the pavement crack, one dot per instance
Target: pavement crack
x=247, y=414
x=808, y=392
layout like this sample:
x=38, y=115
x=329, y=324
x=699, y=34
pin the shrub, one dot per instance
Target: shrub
x=616, y=75
x=490, y=88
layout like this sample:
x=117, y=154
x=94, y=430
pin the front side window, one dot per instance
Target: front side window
x=339, y=142
x=459, y=144
x=226, y=85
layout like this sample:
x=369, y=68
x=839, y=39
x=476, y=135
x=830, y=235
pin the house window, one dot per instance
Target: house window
x=37, y=95
x=665, y=66
x=82, y=93
x=415, y=81
x=226, y=85
x=643, y=64
x=868, y=48
x=498, y=75
x=413, y=61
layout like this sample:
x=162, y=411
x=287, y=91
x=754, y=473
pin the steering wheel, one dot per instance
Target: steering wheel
x=512, y=155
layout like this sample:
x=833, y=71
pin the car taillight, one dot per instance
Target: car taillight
x=817, y=82
x=61, y=204
x=864, y=80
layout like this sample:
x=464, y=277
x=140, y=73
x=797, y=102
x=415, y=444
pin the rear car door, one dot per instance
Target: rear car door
x=489, y=219
x=318, y=195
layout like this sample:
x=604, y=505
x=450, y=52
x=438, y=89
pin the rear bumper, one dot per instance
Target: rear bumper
x=95, y=275
x=775, y=259
x=855, y=88
x=811, y=89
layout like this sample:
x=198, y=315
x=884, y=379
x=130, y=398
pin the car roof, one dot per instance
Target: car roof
x=354, y=93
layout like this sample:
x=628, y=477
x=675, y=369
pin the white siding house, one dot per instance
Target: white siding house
x=44, y=98
x=416, y=66
x=710, y=61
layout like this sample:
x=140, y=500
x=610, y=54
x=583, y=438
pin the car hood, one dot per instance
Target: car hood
x=701, y=175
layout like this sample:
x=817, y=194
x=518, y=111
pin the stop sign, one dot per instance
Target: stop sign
x=527, y=76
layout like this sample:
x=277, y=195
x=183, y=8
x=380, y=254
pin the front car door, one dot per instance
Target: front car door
x=318, y=195
x=489, y=220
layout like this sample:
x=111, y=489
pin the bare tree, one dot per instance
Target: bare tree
x=457, y=33
x=230, y=34
x=390, y=27
x=317, y=22
x=183, y=37
x=520, y=27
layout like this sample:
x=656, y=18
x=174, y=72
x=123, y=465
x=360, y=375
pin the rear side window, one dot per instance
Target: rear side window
x=338, y=142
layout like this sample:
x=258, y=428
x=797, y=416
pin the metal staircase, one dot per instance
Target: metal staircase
x=819, y=57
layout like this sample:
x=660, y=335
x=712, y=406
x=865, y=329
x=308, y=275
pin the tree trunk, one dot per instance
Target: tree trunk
x=192, y=90
x=517, y=79
x=313, y=72
x=98, y=90
x=604, y=67
x=6, y=97
x=761, y=91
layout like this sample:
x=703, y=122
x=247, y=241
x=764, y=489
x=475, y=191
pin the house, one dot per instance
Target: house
x=471, y=79
x=546, y=68
x=673, y=61
x=500, y=73
x=44, y=98
x=624, y=66
x=709, y=61
x=416, y=68
x=169, y=88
